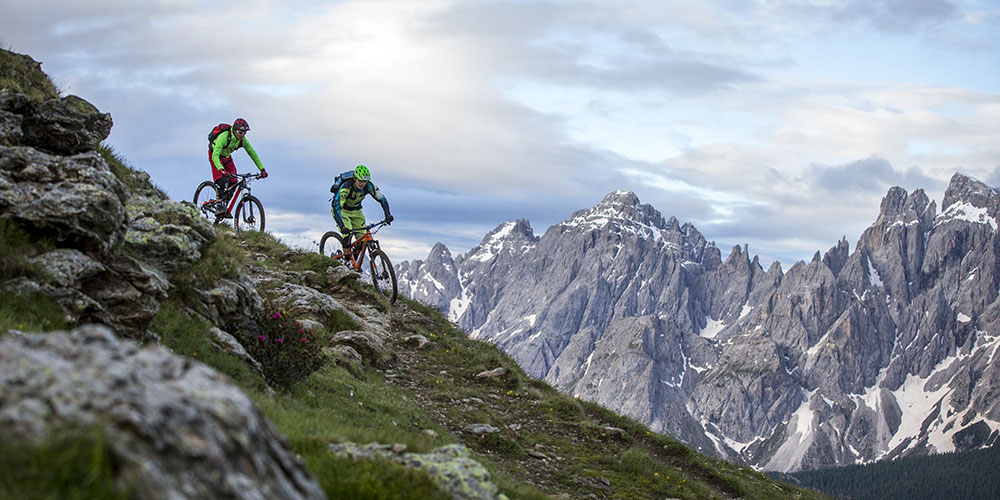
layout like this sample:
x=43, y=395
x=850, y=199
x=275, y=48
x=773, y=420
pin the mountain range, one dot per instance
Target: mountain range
x=885, y=351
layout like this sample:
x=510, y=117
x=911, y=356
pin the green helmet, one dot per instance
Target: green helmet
x=361, y=173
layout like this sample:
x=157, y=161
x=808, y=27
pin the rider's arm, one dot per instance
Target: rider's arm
x=338, y=204
x=377, y=194
x=252, y=153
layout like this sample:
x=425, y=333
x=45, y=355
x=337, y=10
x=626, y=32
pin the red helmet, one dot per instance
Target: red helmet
x=241, y=125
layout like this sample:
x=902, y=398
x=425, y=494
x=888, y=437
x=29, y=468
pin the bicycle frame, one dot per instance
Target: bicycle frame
x=364, y=242
x=242, y=185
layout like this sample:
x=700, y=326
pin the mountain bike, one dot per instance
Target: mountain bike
x=249, y=214
x=383, y=276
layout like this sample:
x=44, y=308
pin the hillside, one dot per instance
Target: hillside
x=145, y=353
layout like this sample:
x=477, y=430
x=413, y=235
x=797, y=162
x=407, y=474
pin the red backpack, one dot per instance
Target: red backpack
x=218, y=129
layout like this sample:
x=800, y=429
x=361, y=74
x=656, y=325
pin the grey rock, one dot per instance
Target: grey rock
x=76, y=200
x=67, y=126
x=451, y=467
x=228, y=343
x=169, y=235
x=368, y=345
x=480, y=429
x=160, y=412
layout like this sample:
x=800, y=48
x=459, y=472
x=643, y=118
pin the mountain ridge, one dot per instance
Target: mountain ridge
x=829, y=340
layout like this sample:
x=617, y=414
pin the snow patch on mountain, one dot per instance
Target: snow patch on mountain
x=967, y=212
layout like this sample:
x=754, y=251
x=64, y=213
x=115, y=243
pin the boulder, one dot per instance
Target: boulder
x=170, y=235
x=66, y=126
x=176, y=428
x=75, y=200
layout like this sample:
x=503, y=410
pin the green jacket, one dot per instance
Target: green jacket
x=348, y=198
x=226, y=143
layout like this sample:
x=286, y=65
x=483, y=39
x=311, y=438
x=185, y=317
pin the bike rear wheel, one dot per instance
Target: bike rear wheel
x=383, y=275
x=249, y=215
x=207, y=191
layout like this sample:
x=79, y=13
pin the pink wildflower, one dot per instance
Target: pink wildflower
x=276, y=315
x=280, y=341
x=261, y=337
x=301, y=331
x=304, y=341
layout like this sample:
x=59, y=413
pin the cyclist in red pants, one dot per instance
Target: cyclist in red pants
x=222, y=143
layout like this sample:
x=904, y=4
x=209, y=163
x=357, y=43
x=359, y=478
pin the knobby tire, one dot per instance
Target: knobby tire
x=331, y=243
x=383, y=275
x=206, y=191
x=249, y=215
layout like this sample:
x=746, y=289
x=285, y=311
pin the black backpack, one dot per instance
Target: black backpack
x=340, y=179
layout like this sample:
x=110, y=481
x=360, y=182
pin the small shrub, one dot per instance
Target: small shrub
x=287, y=352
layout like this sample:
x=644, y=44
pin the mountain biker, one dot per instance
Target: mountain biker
x=223, y=169
x=347, y=203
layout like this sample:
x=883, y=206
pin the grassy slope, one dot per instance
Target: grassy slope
x=549, y=444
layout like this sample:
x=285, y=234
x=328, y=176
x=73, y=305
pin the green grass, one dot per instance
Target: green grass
x=30, y=313
x=189, y=336
x=17, y=243
x=22, y=74
x=222, y=258
x=68, y=467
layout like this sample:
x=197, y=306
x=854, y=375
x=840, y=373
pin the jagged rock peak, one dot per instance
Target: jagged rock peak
x=439, y=253
x=963, y=188
x=515, y=236
x=899, y=207
x=836, y=257
x=620, y=206
x=620, y=197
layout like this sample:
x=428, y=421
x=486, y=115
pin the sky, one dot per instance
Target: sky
x=778, y=124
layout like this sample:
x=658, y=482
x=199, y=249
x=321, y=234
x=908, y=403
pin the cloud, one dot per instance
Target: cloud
x=869, y=175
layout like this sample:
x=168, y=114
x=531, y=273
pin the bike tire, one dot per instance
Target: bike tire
x=331, y=243
x=207, y=191
x=249, y=215
x=383, y=275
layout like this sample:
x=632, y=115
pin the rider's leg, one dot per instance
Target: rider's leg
x=226, y=187
x=353, y=219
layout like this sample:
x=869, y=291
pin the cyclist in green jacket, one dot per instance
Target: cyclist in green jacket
x=220, y=152
x=347, y=200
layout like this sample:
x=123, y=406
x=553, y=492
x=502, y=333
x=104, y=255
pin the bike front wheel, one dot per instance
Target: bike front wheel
x=205, y=199
x=383, y=276
x=249, y=215
x=331, y=244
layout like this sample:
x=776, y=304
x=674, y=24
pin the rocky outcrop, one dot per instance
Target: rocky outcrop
x=112, y=251
x=160, y=414
x=853, y=356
